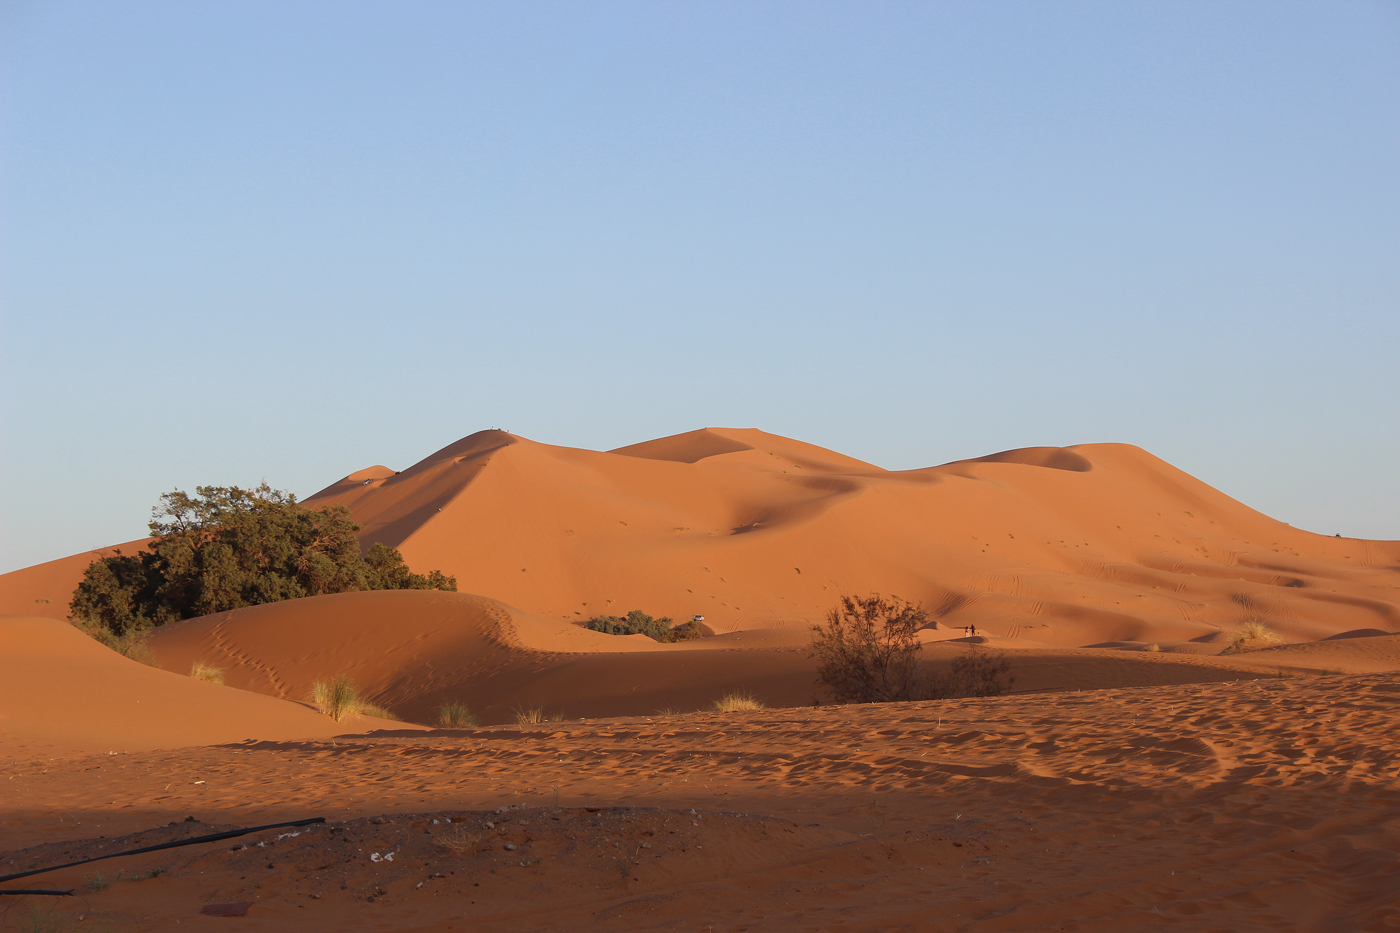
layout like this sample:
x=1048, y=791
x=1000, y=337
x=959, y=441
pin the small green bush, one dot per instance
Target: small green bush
x=638, y=622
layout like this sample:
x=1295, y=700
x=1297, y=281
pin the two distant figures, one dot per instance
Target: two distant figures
x=969, y=631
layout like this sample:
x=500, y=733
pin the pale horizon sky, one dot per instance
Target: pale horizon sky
x=285, y=241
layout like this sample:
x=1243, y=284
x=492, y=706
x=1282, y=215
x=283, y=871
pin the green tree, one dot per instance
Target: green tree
x=224, y=548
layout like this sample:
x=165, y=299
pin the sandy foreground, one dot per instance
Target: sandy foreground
x=1138, y=778
x=1263, y=805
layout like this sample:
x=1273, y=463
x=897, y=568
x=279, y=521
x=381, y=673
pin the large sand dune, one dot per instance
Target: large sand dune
x=1048, y=546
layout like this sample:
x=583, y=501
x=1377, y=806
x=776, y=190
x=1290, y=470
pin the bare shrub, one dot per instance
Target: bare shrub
x=738, y=702
x=455, y=715
x=869, y=650
x=208, y=672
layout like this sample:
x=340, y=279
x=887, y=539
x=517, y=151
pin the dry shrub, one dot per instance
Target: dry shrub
x=1153, y=647
x=208, y=672
x=1252, y=635
x=738, y=702
x=339, y=697
x=455, y=715
x=458, y=841
x=526, y=717
x=869, y=652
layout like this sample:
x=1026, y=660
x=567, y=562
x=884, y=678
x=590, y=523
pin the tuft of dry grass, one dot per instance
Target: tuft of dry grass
x=458, y=841
x=339, y=697
x=1153, y=647
x=455, y=715
x=1252, y=635
x=536, y=714
x=738, y=701
x=201, y=671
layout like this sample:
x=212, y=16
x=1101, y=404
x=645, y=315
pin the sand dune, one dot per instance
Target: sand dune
x=1054, y=546
x=62, y=693
x=412, y=651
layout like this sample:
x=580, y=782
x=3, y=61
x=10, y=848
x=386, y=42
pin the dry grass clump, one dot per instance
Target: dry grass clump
x=536, y=714
x=1252, y=636
x=1153, y=647
x=458, y=841
x=208, y=672
x=339, y=697
x=455, y=715
x=738, y=702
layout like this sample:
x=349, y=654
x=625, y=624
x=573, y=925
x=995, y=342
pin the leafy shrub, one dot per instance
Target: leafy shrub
x=738, y=702
x=455, y=715
x=339, y=697
x=869, y=652
x=638, y=622
x=225, y=548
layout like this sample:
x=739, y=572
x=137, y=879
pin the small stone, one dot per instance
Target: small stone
x=510, y=847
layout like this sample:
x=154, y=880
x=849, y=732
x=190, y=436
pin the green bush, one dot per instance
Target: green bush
x=639, y=623
x=225, y=548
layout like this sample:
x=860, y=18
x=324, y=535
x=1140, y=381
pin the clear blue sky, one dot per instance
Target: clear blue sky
x=289, y=240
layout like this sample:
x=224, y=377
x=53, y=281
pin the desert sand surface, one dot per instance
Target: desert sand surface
x=1141, y=775
x=63, y=693
x=1260, y=805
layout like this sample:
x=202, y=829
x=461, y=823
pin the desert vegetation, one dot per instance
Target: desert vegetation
x=535, y=714
x=338, y=697
x=224, y=548
x=201, y=671
x=1253, y=634
x=737, y=702
x=455, y=715
x=638, y=622
x=868, y=652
